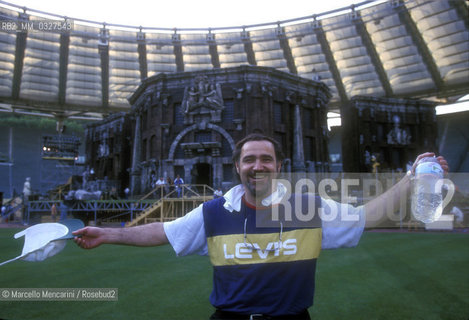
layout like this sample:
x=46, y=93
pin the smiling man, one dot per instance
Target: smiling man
x=262, y=269
x=255, y=164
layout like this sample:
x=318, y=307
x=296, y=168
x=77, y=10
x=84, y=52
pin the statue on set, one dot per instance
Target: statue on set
x=397, y=135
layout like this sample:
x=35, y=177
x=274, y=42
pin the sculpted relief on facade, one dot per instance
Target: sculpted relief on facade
x=203, y=101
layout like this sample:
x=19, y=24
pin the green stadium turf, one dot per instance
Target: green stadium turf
x=388, y=276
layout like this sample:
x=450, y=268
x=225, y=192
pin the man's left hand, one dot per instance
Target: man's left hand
x=441, y=160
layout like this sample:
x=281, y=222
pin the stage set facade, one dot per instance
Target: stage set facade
x=187, y=124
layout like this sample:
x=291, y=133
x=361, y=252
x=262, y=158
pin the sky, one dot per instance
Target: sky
x=196, y=14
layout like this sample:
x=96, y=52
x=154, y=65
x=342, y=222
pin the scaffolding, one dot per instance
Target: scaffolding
x=174, y=204
x=59, y=157
x=128, y=212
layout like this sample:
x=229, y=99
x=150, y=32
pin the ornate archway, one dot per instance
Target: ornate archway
x=194, y=127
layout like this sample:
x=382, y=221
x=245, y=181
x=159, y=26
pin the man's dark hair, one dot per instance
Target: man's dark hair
x=255, y=137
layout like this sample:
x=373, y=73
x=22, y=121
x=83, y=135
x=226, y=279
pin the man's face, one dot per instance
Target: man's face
x=257, y=166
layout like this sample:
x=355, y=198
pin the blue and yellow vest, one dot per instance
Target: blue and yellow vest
x=261, y=273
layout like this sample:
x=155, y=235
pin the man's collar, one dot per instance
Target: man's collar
x=233, y=197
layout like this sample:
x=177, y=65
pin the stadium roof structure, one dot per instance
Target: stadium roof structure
x=396, y=48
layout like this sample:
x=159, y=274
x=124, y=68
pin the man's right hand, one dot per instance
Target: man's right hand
x=89, y=237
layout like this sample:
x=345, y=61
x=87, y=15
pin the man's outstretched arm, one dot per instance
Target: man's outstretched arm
x=152, y=234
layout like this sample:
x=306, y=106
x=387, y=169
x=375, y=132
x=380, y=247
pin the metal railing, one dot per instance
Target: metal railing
x=208, y=30
x=123, y=207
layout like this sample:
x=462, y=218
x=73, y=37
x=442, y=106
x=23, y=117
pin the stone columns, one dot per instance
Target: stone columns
x=298, y=161
x=135, y=171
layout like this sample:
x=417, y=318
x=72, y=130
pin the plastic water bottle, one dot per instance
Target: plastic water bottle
x=427, y=200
